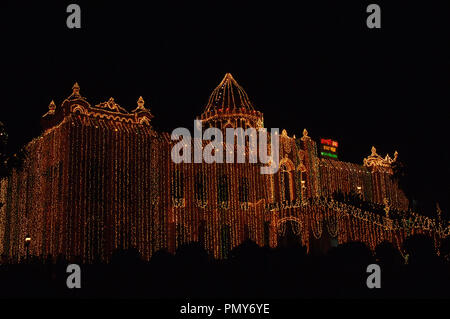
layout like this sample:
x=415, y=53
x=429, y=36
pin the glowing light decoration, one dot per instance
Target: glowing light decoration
x=328, y=148
x=100, y=178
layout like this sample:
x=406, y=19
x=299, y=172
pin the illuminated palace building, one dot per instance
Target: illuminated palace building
x=101, y=178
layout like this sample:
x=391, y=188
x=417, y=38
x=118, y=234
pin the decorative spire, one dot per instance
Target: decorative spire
x=305, y=135
x=76, y=89
x=75, y=92
x=52, y=106
x=142, y=114
x=140, y=103
x=374, y=151
x=141, y=107
x=51, y=109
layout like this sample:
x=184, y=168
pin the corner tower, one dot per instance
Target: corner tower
x=229, y=106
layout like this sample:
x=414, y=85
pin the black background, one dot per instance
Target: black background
x=308, y=64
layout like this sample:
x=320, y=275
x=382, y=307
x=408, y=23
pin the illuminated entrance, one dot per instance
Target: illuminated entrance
x=289, y=232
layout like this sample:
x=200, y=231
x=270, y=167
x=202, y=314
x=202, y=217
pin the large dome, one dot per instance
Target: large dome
x=229, y=106
x=228, y=94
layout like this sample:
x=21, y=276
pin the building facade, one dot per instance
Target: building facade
x=101, y=178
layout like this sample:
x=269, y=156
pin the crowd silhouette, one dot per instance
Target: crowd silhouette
x=249, y=272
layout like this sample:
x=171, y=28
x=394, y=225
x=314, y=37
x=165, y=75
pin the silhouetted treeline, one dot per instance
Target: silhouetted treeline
x=251, y=271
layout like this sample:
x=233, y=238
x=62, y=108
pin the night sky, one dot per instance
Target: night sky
x=312, y=65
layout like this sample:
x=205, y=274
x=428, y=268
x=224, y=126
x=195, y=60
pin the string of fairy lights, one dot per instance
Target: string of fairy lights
x=95, y=182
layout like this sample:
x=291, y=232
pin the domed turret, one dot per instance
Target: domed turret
x=230, y=106
x=228, y=94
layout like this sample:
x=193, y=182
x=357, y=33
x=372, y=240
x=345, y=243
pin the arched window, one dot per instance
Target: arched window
x=286, y=182
x=200, y=187
x=226, y=240
x=286, y=185
x=243, y=190
x=222, y=189
x=177, y=185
